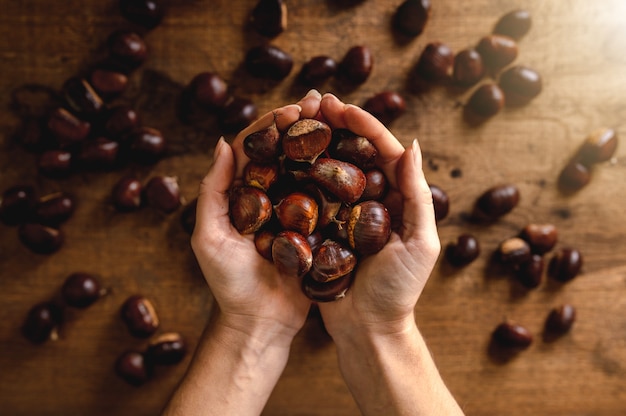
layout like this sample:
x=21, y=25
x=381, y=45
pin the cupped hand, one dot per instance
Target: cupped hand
x=251, y=294
x=387, y=284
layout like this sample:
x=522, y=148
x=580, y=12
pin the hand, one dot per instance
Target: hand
x=388, y=284
x=252, y=296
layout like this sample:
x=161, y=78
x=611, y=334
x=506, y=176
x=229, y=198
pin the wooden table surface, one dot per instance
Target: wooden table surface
x=578, y=46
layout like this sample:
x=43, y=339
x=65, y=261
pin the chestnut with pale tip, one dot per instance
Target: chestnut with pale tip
x=291, y=254
x=249, y=209
x=306, y=139
x=297, y=212
x=332, y=261
x=369, y=227
x=342, y=179
x=139, y=315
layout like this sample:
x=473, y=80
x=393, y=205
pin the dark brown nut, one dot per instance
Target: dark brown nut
x=148, y=145
x=55, y=163
x=435, y=63
x=468, y=67
x=411, y=17
x=298, y=171
x=574, y=176
x=108, y=83
x=441, y=202
x=67, y=128
x=166, y=349
x=260, y=175
x=386, y=106
x=209, y=90
x=82, y=98
x=498, y=201
x=163, y=193
x=42, y=322
x=530, y=273
x=512, y=335
x=147, y=13
x=328, y=291
x=140, y=317
x=291, y=254
x=263, y=241
x=263, y=146
x=465, y=250
x=237, y=114
x=560, y=319
x=81, y=290
x=269, y=17
x=306, y=139
x=375, y=185
x=514, y=24
x=520, y=84
x=486, y=101
x=120, y=122
x=565, y=264
x=298, y=212
x=497, y=51
x=268, y=61
x=541, y=237
x=598, y=147
x=188, y=216
x=356, y=65
x=514, y=251
x=41, y=239
x=126, y=195
x=352, y=148
x=249, y=208
x=338, y=228
x=54, y=209
x=315, y=241
x=16, y=204
x=133, y=368
x=100, y=153
x=342, y=179
x=369, y=227
x=128, y=47
x=332, y=261
x=317, y=70
x=328, y=205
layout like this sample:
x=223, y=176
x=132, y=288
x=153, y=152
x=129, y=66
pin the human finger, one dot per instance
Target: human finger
x=310, y=104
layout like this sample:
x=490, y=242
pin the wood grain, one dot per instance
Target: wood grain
x=579, y=47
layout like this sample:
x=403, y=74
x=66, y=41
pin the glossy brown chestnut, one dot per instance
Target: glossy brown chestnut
x=530, y=272
x=16, y=204
x=269, y=17
x=99, y=153
x=126, y=195
x=120, y=122
x=342, y=179
x=108, y=83
x=133, y=368
x=148, y=145
x=441, y=202
x=328, y=291
x=486, y=101
x=297, y=212
x=41, y=239
x=520, y=84
x=512, y=335
x=560, y=319
x=541, y=237
x=411, y=17
x=188, y=216
x=498, y=201
x=209, y=90
x=249, y=209
x=315, y=241
x=166, y=349
x=598, y=147
x=497, y=51
x=140, y=317
x=67, y=128
x=328, y=205
x=353, y=148
x=515, y=24
x=332, y=261
x=356, y=65
x=263, y=146
x=574, y=176
x=54, y=209
x=465, y=250
x=317, y=70
x=565, y=264
x=147, y=13
x=237, y=114
x=81, y=290
x=369, y=227
x=163, y=193
x=306, y=139
x=263, y=241
x=436, y=62
x=42, y=322
x=55, y=163
x=260, y=176
x=468, y=68
x=386, y=106
x=514, y=251
x=82, y=98
x=375, y=185
x=291, y=254
x=268, y=61
x=128, y=47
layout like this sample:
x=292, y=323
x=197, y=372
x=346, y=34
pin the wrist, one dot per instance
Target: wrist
x=253, y=332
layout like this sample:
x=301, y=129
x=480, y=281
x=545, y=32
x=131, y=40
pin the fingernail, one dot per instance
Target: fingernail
x=219, y=148
x=328, y=95
x=417, y=153
x=313, y=93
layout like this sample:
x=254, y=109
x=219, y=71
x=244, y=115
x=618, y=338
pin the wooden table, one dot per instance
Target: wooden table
x=578, y=46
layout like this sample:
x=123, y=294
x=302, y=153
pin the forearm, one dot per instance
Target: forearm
x=393, y=374
x=232, y=373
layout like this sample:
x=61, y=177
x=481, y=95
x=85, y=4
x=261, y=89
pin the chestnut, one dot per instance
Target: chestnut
x=436, y=62
x=530, y=272
x=356, y=65
x=514, y=24
x=497, y=201
x=81, y=290
x=209, y=90
x=386, y=106
x=411, y=17
x=16, y=204
x=353, y=148
x=188, y=216
x=369, y=227
x=514, y=251
x=332, y=261
x=263, y=241
x=67, y=128
x=108, y=82
x=147, y=13
x=263, y=146
x=82, y=98
x=297, y=212
x=328, y=291
x=574, y=176
x=342, y=179
x=163, y=193
x=565, y=264
x=166, y=349
x=126, y=195
x=120, y=122
x=306, y=139
x=133, y=367
x=291, y=254
x=328, y=205
x=41, y=239
x=139, y=315
x=375, y=185
x=128, y=47
x=249, y=209
x=465, y=250
x=317, y=70
x=541, y=237
x=486, y=101
x=497, y=51
x=315, y=240
x=441, y=202
x=468, y=67
x=54, y=209
x=260, y=175
x=237, y=114
x=148, y=145
x=268, y=61
x=512, y=335
x=55, y=163
x=42, y=322
x=520, y=84
x=269, y=17
x=99, y=153
x=598, y=147
x=560, y=319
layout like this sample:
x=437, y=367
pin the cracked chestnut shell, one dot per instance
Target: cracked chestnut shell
x=291, y=254
x=249, y=209
x=369, y=227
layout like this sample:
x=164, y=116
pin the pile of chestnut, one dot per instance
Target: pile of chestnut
x=312, y=197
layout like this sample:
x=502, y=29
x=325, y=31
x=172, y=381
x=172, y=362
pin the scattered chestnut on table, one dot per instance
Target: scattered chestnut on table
x=411, y=17
x=436, y=63
x=514, y=251
x=139, y=315
x=81, y=290
x=468, y=67
x=126, y=195
x=509, y=334
x=108, y=83
x=268, y=61
x=520, y=84
x=441, y=202
x=55, y=163
x=82, y=98
x=133, y=367
x=465, y=250
x=497, y=201
x=16, y=204
x=67, y=128
x=386, y=106
x=514, y=24
x=209, y=90
x=42, y=322
x=599, y=146
x=128, y=47
x=166, y=349
x=317, y=70
x=54, y=209
x=541, y=237
x=163, y=193
x=147, y=13
x=530, y=272
x=237, y=114
x=356, y=65
x=485, y=102
x=560, y=319
x=574, y=176
x=269, y=17
x=565, y=264
x=41, y=239
x=497, y=51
